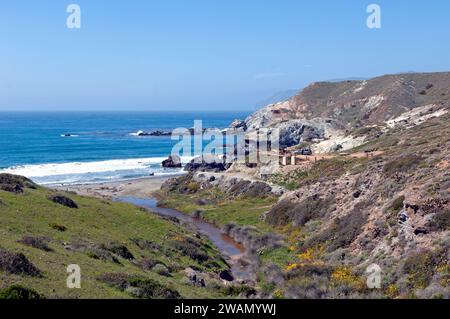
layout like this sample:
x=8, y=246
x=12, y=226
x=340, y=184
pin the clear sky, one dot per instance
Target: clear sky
x=205, y=54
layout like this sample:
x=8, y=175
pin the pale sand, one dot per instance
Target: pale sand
x=140, y=188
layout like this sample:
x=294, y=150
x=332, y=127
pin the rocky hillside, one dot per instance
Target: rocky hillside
x=335, y=110
x=385, y=202
x=392, y=210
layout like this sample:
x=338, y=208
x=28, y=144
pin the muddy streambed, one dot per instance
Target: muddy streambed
x=229, y=248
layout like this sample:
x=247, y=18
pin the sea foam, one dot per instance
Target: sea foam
x=94, y=172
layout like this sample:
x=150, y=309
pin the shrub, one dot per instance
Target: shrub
x=64, y=201
x=280, y=213
x=139, y=287
x=17, y=263
x=93, y=251
x=57, y=227
x=19, y=293
x=96, y=252
x=35, y=242
x=162, y=270
x=189, y=247
x=393, y=209
x=421, y=267
x=193, y=187
x=118, y=249
x=441, y=221
x=345, y=276
x=313, y=207
x=310, y=270
x=402, y=164
x=146, y=245
x=149, y=263
x=341, y=233
x=238, y=290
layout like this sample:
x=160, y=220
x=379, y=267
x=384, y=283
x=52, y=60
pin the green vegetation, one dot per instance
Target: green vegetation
x=312, y=208
x=341, y=232
x=19, y=293
x=220, y=209
x=323, y=169
x=441, y=221
x=40, y=238
x=422, y=266
x=223, y=210
x=402, y=164
x=393, y=209
x=139, y=287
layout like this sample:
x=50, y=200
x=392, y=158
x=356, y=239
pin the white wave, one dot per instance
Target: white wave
x=138, y=133
x=69, y=135
x=79, y=172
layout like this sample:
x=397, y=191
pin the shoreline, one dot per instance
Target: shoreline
x=139, y=188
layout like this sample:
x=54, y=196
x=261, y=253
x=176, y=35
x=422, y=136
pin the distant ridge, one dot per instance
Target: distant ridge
x=278, y=97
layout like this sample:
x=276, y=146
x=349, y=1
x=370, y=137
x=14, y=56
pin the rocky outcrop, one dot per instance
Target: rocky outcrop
x=238, y=125
x=153, y=133
x=295, y=132
x=157, y=133
x=174, y=161
x=15, y=184
x=64, y=201
x=226, y=275
x=332, y=110
x=207, y=163
x=236, y=186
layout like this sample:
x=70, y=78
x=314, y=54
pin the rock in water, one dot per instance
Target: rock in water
x=174, y=161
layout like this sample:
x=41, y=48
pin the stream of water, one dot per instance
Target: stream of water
x=226, y=245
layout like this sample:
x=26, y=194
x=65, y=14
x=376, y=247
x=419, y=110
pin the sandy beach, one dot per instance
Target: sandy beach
x=139, y=188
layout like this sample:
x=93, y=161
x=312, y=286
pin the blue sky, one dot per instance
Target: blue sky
x=205, y=54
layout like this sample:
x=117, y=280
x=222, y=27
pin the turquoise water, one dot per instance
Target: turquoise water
x=101, y=146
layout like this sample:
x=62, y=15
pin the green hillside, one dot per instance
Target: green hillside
x=123, y=251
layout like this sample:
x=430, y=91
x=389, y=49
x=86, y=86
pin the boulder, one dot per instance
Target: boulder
x=337, y=148
x=207, y=163
x=420, y=231
x=296, y=131
x=195, y=277
x=226, y=275
x=174, y=161
x=203, y=201
x=63, y=200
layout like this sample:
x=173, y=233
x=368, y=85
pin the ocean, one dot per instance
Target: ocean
x=101, y=147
